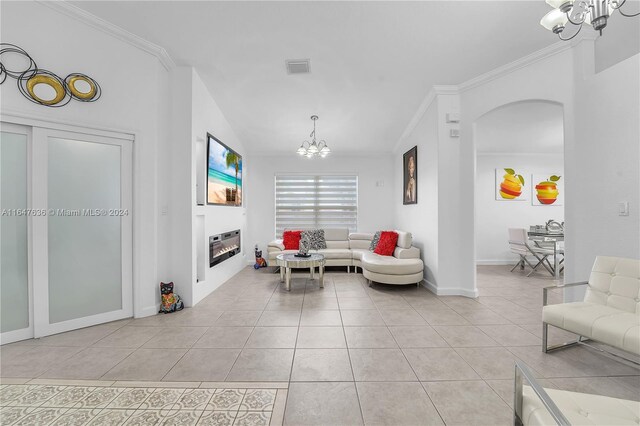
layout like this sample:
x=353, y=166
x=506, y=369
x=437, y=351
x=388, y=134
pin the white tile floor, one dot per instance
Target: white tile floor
x=348, y=353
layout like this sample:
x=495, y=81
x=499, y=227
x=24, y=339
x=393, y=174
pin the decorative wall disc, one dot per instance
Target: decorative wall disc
x=83, y=87
x=44, y=87
x=28, y=84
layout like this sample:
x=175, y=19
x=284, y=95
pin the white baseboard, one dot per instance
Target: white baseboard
x=497, y=262
x=147, y=312
x=451, y=291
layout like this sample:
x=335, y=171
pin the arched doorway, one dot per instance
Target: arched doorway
x=518, y=146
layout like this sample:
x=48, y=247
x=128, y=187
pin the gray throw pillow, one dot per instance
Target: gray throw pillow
x=375, y=241
x=312, y=240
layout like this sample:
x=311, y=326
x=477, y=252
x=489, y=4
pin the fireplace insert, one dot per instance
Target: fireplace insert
x=223, y=246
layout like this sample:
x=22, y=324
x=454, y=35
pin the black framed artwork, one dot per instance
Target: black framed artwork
x=410, y=174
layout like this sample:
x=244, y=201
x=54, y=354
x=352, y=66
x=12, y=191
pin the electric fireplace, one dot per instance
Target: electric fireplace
x=223, y=246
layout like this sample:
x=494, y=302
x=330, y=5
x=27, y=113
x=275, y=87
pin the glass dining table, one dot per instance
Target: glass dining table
x=550, y=238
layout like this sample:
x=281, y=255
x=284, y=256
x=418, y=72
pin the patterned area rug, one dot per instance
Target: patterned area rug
x=33, y=404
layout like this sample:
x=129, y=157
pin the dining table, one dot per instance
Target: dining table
x=544, y=237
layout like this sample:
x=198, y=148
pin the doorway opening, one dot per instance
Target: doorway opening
x=519, y=196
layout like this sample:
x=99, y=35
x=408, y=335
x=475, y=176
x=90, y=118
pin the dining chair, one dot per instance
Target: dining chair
x=519, y=244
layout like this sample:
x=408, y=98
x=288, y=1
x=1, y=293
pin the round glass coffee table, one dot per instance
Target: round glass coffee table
x=288, y=261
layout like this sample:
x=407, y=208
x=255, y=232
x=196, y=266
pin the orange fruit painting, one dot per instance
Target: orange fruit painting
x=547, y=191
x=511, y=185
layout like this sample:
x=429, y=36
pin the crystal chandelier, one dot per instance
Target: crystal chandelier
x=313, y=148
x=592, y=12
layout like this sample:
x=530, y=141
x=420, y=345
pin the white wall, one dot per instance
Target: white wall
x=375, y=203
x=195, y=113
x=607, y=159
x=207, y=117
x=421, y=219
x=494, y=218
x=434, y=219
x=134, y=100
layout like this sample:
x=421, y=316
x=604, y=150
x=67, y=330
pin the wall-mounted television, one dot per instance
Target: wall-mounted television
x=224, y=174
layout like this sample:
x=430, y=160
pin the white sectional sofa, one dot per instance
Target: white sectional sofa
x=610, y=311
x=344, y=249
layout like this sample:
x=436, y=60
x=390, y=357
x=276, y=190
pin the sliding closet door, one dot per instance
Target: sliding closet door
x=84, y=269
x=15, y=313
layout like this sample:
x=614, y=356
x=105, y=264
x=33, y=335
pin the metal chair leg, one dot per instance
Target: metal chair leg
x=516, y=265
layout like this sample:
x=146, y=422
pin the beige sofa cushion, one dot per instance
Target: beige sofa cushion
x=404, y=253
x=359, y=244
x=358, y=253
x=334, y=253
x=336, y=234
x=579, y=409
x=603, y=323
x=361, y=236
x=390, y=265
x=360, y=240
x=338, y=244
x=615, y=282
x=405, y=239
x=276, y=245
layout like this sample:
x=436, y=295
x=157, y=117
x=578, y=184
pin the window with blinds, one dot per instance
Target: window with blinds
x=308, y=202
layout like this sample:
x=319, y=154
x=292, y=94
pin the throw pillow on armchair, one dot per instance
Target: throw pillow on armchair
x=387, y=243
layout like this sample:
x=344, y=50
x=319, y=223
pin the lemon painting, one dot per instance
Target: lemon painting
x=510, y=185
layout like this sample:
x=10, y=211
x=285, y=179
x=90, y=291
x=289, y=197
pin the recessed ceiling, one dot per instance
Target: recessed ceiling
x=531, y=127
x=373, y=62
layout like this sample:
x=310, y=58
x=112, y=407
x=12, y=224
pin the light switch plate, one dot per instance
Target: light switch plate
x=623, y=208
x=453, y=117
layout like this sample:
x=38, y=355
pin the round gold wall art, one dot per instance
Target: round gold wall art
x=44, y=88
x=41, y=86
x=82, y=87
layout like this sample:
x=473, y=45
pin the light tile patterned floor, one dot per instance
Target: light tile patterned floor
x=348, y=354
x=37, y=404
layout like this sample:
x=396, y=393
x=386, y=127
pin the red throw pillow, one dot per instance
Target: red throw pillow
x=291, y=240
x=387, y=243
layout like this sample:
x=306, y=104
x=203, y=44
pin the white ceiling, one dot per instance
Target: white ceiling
x=372, y=63
x=532, y=127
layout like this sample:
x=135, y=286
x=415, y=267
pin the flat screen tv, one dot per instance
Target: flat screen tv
x=224, y=174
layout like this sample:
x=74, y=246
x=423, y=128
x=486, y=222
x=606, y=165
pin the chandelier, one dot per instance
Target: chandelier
x=313, y=148
x=592, y=12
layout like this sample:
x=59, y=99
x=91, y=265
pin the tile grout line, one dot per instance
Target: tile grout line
x=355, y=384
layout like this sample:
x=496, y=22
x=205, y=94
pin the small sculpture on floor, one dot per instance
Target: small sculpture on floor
x=260, y=262
x=170, y=302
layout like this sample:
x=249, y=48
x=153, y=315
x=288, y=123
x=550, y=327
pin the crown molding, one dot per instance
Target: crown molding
x=113, y=30
x=525, y=61
x=501, y=71
x=446, y=90
x=422, y=109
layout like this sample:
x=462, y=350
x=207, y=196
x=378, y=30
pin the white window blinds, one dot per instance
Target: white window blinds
x=308, y=202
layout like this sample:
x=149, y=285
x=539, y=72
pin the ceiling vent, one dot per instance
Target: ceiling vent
x=298, y=66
